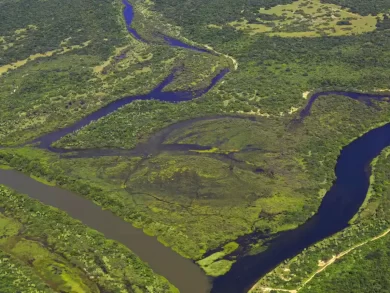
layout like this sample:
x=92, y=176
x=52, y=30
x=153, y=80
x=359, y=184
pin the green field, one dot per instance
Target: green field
x=307, y=18
x=263, y=172
x=361, y=249
x=211, y=198
x=39, y=254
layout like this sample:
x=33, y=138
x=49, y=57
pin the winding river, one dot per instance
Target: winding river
x=157, y=93
x=181, y=272
x=339, y=205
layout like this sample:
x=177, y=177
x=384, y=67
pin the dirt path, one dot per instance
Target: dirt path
x=267, y=289
x=235, y=62
x=340, y=255
x=323, y=265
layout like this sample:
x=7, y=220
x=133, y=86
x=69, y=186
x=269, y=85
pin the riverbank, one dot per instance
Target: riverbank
x=322, y=264
x=38, y=243
x=363, y=236
x=109, y=194
x=194, y=203
x=186, y=276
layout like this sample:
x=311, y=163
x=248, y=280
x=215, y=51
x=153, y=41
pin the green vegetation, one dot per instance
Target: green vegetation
x=268, y=175
x=43, y=26
x=367, y=262
x=15, y=276
x=135, y=123
x=73, y=63
x=363, y=7
x=66, y=87
x=39, y=254
x=310, y=64
x=219, y=13
x=273, y=70
x=305, y=18
x=62, y=61
x=212, y=264
x=365, y=269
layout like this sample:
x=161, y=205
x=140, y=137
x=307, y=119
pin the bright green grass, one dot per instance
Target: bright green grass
x=308, y=18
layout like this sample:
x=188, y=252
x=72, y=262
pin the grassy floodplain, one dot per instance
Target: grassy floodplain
x=63, y=72
x=262, y=175
x=39, y=254
x=305, y=18
x=268, y=186
x=352, y=260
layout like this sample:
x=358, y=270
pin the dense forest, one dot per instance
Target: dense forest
x=212, y=178
x=83, y=69
x=195, y=14
x=363, y=7
x=41, y=26
x=189, y=13
x=364, y=267
x=39, y=252
x=276, y=171
x=295, y=65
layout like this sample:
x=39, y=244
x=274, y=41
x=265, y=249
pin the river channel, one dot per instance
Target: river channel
x=339, y=205
x=183, y=273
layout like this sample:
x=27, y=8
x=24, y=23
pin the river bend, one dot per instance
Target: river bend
x=339, y=205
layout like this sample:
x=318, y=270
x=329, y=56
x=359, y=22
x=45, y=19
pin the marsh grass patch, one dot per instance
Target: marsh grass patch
x=307, y=18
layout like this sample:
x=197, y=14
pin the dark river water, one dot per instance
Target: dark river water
x=158, y=94
x=362, y=97
x=183, y=273
x=128, y=14
x=338, y=206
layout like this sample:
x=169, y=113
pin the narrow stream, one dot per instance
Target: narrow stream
x=158, y=94
x=338, y=207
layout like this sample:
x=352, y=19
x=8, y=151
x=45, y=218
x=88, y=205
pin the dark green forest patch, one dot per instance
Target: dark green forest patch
x=47, y=250
x=91, y=61
x=265, y=175
x=363, y=269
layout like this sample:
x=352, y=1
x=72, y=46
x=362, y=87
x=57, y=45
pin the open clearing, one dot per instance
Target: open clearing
x=307, y=18
x=322, y=264
x=20, y=63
